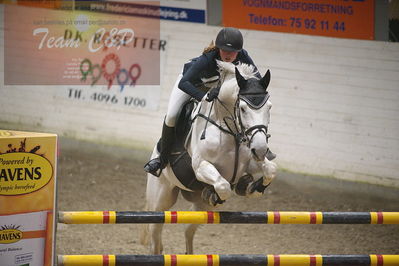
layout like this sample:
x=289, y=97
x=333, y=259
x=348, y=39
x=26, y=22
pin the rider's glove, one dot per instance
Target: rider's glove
x=212, y=94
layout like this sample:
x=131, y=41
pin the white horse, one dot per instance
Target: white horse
x=228, y=146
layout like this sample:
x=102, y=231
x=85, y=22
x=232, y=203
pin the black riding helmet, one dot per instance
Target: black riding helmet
x=229, y=39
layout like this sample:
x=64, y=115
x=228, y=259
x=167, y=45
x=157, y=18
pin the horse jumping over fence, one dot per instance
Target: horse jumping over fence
x=226, y=152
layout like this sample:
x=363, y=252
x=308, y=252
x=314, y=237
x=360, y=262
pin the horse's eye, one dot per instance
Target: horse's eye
x=242, y=110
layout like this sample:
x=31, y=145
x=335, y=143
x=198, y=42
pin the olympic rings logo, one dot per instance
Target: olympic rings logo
x=122, y=75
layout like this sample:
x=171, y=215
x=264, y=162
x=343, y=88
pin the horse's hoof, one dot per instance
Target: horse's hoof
x=210, y=196
x=242, y=185
x=258, y=186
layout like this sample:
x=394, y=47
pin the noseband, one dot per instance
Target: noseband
x=247, y=134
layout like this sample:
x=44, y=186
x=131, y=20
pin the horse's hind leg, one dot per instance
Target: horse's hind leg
x=161, y=196
x=189, y=236
x=197, y=205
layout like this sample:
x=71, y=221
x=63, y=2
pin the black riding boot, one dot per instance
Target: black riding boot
x=156, y=165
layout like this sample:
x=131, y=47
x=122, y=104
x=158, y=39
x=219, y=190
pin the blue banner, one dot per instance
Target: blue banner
x=182, y=14
x=140, y=9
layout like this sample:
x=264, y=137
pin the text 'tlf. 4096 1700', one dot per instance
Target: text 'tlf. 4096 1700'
x=106, y=98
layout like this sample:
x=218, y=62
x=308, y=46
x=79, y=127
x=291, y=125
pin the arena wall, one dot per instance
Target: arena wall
x=335, y=102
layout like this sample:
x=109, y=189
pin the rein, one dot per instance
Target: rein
x=242, y=134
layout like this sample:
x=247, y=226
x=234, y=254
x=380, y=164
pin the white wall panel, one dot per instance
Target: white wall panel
x=335, y=102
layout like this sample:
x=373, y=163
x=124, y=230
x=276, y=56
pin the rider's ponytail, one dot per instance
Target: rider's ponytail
x=211, y=47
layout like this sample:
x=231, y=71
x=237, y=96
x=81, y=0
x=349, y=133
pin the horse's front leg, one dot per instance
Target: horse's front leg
x=269, y=170
x=207, y=173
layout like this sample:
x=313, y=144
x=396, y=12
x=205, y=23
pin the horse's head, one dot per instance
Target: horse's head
x=253, y=112
x=246, y=96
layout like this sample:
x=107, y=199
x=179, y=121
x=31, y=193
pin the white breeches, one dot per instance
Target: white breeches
x=176, y=101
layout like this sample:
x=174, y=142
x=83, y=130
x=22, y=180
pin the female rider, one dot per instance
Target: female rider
x=229, y=42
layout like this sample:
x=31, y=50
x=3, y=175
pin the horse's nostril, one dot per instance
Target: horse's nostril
x=259, y=154
x=254, y=154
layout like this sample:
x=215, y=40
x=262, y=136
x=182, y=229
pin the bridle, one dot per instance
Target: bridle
x=240, y=133
x=249, y=133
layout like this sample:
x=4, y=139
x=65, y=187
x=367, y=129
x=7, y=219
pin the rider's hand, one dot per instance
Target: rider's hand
x=212, y=94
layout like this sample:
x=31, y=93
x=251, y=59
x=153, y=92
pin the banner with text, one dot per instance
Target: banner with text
x=334, y=18
x=28, y=169
x=177, y=10
x=57, y=47
x=183, y=10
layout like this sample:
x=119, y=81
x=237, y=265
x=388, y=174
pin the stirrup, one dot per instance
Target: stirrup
x=154, y=167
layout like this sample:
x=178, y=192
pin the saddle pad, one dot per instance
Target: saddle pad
x=180, y=160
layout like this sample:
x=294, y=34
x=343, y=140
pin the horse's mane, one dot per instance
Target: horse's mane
x=247, y=71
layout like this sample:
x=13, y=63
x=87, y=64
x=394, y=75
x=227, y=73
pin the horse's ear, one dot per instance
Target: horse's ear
x=266, y=79
x=241, y=81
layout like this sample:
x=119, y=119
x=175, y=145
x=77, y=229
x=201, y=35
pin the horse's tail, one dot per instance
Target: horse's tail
x=144, y=232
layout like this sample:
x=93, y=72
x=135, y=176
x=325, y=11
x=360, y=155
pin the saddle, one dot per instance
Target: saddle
x=180, y=160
